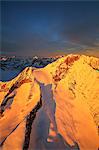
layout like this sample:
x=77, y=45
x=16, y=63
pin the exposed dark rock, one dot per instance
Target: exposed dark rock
x=30, y=119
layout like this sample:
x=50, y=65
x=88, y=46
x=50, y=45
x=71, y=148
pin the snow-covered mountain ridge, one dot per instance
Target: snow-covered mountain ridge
x=55, y=107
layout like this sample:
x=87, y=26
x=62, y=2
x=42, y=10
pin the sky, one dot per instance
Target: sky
x=46, y=28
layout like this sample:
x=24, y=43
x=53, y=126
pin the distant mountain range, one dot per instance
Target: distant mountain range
x=11, y=66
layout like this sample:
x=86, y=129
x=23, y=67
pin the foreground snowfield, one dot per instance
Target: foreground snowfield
x=55, y=107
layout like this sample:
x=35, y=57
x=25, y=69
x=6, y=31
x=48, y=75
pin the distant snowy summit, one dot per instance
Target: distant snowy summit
x=10, y=67
x=21, y=63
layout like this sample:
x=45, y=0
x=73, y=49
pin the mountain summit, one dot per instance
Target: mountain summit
x=55, y=107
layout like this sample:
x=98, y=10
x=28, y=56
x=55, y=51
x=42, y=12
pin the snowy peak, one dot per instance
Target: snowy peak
x=52, y=107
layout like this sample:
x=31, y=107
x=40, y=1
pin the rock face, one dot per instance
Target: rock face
x=55, y=107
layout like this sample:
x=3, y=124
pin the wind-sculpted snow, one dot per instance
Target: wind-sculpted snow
x=55, y=107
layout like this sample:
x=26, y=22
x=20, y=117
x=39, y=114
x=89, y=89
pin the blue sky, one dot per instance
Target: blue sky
x=47, y=28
